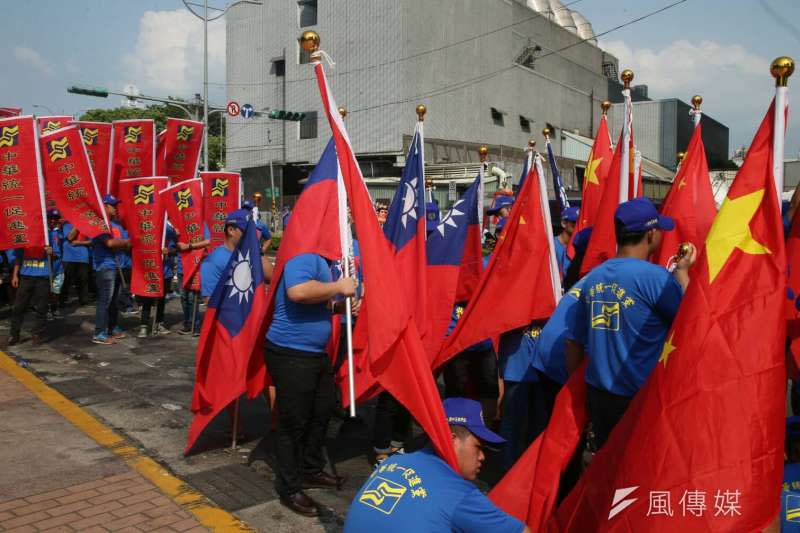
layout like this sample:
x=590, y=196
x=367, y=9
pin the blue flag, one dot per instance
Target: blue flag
x=558, y=185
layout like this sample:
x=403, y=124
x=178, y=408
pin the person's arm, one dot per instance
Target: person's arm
x=15, y=271
x=682, y=266
x=72, y=235
x=575, y=354
x=118, y=244
x=184, y=247
x=316, y=292
x=267, y=267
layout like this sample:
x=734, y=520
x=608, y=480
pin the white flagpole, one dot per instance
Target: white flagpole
x=697, y=115
x=637, y=167
x=555, y=278
x=483, y=152
x=624, y=168
x=781, y=69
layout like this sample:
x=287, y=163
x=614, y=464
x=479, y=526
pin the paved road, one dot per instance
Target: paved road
x=142, y=388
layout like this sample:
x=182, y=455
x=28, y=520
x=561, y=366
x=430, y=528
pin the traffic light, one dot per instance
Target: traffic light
x=88, y=91
x=280, y=114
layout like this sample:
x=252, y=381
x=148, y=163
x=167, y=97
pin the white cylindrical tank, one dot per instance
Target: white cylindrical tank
x=585, y=30
x=540, y=6
x=562, y=15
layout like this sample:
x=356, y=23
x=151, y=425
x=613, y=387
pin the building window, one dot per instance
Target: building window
x=497, y=117
x=308, y=126
x=580, y=173
x=307, y=12
x=279, y=67
x=525, y=124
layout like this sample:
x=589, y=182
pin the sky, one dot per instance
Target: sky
x=720, y=49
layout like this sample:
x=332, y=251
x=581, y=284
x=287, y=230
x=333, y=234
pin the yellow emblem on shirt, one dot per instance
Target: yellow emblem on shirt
x=382, y=494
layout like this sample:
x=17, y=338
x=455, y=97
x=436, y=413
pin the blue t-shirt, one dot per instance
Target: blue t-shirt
x=263, y=230
x=57, y=244
x=790, y=498
x=627, y=307
x=34, y=262
x=550, y=356
x=516, y=351
x=305, y=327
x=419, y=493
x=211, y=269
x=105, y=258
x=562, y=259
x=73, y=253
x=171, y=243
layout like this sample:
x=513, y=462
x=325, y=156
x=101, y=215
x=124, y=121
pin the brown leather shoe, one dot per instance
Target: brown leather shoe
x=36, y=340
x=300, y=503
x=322, y=480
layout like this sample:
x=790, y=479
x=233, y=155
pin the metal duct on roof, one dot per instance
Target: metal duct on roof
x=585, y=30
x=562, y=15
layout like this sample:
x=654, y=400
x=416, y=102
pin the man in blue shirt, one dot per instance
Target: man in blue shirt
x=106, y=251
x=569, y=217
x=419, y=492
x=300, y=367
x=56, y=234
x=626, y=309
x=76, y=265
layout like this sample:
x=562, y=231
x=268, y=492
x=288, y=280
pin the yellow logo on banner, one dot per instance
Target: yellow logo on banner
x=220, y=187
x=184, y=199
x=144, y=194
x=9, y=136
x=132, y=134
x=51, y=125
x=185, y=133
x=90, y=136
x=58, y=149
x=384, y=496
x=605, y=315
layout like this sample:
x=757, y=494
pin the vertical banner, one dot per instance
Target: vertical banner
x=133, y=151
x=184, y=205
x=70, y=181
x=144, y=219
x=222, y=194
x=22, y=211
x=181, y=149
x=97, y=140
x=52, y=123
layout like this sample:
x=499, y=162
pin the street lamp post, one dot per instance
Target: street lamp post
x=205, y=85
x=44, y=107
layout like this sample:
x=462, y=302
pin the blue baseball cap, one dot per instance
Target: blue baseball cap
x=500, y=202
x=237, y=218
x=53, y=213
x=640, y=215
x=581, y=239
x=431, y=215
x=467, y=413
x=247, y=204
x=570, y=214
x=109, y=199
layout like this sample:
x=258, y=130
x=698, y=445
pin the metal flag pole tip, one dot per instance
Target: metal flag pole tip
x=781, y=68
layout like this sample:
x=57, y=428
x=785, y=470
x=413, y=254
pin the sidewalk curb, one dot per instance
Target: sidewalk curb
x=209, y=515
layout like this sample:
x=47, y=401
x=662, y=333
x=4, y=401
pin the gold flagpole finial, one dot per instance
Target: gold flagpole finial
x=546, y=133
x=531, y=144
x=680, y=157
x=257, y=197
x=428, y=183
x=342, y=111
x=697, y=100
x=421, y=110
x=605, y=105
x=781, y=69
x=483, y=152
x=309, y=41
x=627, y=77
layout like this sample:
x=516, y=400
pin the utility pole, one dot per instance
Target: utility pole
x=205, y=85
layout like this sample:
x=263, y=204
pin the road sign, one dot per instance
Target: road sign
x=247, y=111
x=451, y=191
x=233, y=108
x=272, y=193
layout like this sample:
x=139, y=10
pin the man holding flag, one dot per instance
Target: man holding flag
x=569, y=217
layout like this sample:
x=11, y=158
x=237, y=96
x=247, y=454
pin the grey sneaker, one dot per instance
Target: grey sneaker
x=142, y=332
x=161, y=330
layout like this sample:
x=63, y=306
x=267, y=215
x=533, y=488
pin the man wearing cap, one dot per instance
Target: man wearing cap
x=420, y=492
x=501, y=207
x=627, y=306
x=569, y=217
x=106, y=251
x=56, y=233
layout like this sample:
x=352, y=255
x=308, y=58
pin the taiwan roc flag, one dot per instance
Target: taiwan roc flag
x=701, y=446
x=229, y=360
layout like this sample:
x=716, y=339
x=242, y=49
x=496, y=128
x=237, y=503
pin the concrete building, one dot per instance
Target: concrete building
x=491, y=72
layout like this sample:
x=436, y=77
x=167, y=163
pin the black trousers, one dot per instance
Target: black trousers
x=32, y=292
x=392, y=424
x=146, y=304
x=305, y=398
x=605, y=410
x=76, y=274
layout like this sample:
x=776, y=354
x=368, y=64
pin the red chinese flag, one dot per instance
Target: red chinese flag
x=52, y=123
x=71, y=182
x=22, y=210
x=133, y=151
x=143, y=217
x=184, y=205
x=595, y=179
x=222, y=194
x=709, y=423
x=690, y=202
x=97, y=140
x=180, y=154
x=517, y=286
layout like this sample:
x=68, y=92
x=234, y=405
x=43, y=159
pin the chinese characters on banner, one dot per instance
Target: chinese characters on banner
x=133, y=151
x=21, y=186
x=222, y=194
x=181, y=149
x=70, y=181
x=143, y=217
x=184, y=204
x=97, y=140
x=52, y=123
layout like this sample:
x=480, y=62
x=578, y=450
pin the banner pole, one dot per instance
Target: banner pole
x=235, y=424
x=195, y=305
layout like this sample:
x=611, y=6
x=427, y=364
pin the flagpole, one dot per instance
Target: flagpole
x=235, y=424
x=483, y=153
x=679, y=160
x=781, y=69
x=421, y=109
x=555, y=277
x=624, y=168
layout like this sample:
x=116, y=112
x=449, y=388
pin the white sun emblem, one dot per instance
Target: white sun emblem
x=410, y=202
x=449, y=218
x=241, y=278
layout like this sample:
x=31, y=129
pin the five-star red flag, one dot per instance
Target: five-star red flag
x=519, y=284
x=690, y=202
x=709, y=423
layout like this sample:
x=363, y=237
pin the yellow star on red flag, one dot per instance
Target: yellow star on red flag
x=667, y=350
